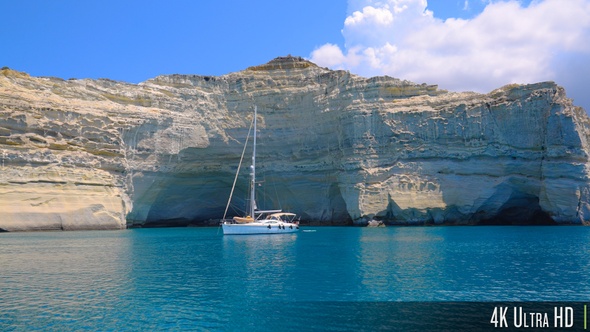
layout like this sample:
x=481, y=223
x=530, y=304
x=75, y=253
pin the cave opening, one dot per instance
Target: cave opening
x=520, y=209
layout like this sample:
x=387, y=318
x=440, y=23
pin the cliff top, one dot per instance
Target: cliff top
x=390, y=84
x=287, y=62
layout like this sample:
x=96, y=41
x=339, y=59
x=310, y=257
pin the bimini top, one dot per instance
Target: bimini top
x=283, y=214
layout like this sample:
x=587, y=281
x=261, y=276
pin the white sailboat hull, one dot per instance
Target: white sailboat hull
x=259, y=228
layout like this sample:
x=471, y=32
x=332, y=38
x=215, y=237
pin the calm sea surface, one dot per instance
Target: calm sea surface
x=198, y=279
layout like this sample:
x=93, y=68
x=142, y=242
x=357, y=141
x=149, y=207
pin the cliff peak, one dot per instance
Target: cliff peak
x=284, y=62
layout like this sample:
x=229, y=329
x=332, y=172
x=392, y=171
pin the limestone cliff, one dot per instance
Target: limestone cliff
x=333, y=147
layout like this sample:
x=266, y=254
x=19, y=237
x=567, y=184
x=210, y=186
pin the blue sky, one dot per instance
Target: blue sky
x=459, y=44
x=137, y=40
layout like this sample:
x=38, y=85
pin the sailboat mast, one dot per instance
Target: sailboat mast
x=253, y=184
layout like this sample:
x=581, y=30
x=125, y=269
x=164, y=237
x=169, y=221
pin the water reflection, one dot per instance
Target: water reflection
x=179, y=279
x=55, y=278
x=475, y=264
x=399, y=264
x=175, y=278
x=328, y=264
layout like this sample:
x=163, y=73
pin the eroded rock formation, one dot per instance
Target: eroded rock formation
x=333, y=147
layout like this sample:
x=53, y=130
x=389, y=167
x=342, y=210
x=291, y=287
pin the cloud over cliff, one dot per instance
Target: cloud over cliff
x=507, y=42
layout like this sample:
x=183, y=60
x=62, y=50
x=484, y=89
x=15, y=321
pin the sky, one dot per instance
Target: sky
x=461, y=45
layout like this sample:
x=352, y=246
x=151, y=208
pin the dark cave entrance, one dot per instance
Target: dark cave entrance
x=520, y=209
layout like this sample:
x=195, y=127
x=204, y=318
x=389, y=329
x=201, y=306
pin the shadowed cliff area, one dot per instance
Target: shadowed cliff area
x=333, y=147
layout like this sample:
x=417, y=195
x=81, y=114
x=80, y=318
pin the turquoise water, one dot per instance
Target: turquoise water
x=198, y=279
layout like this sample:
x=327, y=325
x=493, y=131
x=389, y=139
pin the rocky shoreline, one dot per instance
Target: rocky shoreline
x=334, y=147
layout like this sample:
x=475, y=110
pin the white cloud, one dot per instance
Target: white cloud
x=506, y=43
x=329, y=55
x=379, y=16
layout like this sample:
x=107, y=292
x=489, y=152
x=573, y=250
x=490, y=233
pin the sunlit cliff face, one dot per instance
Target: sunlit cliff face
x=333, y=147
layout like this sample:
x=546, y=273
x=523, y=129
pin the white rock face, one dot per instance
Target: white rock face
x=333, y=147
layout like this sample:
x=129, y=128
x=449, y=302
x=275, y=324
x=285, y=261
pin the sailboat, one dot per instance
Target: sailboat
x=258, y=221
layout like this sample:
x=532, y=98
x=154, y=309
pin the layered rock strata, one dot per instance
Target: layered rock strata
x=333, y=147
